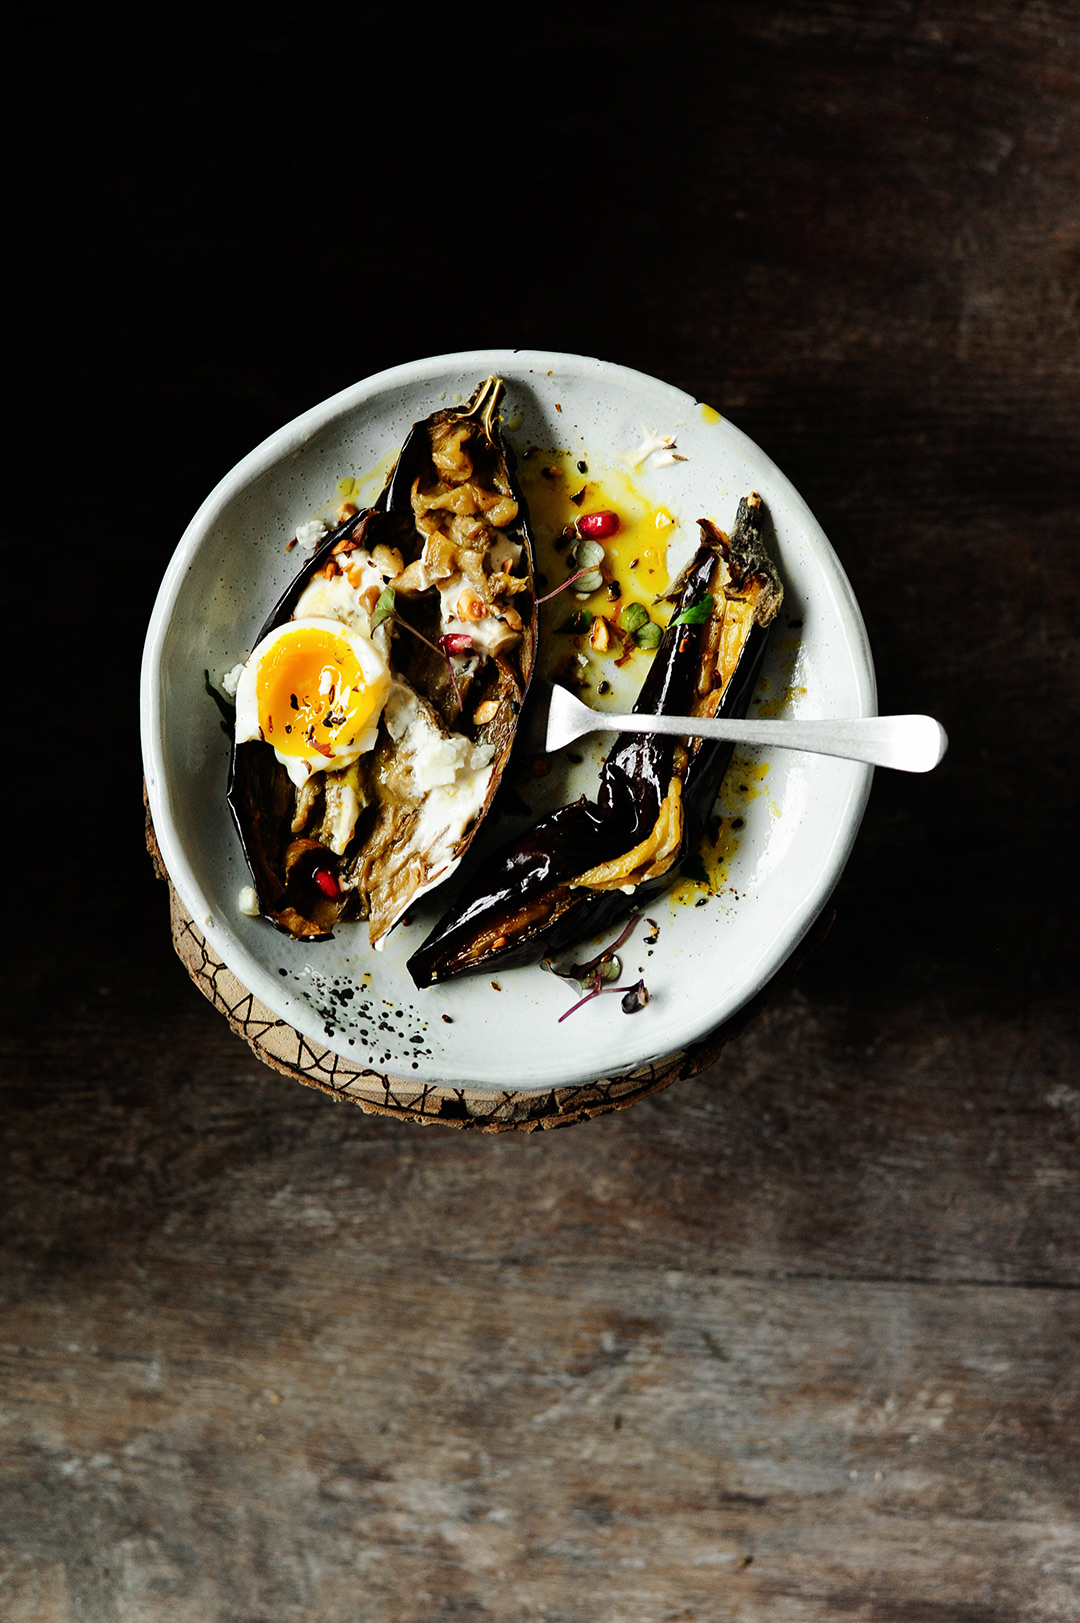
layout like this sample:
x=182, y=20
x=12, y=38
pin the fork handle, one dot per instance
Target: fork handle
x=906, y=743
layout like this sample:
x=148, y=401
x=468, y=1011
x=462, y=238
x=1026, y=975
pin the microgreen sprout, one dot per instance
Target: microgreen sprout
x=452, y=643
x=385, y=608
x=582, y=972
x=589, y=554
x=598, y=989
x=636, y=998
x=566, y=583
x=604, y=967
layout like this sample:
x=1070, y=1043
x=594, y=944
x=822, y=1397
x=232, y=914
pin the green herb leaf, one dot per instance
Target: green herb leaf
x=578, y=623
x=384, y=608
x=697, y=613
x=650, y=636
x=634, y=616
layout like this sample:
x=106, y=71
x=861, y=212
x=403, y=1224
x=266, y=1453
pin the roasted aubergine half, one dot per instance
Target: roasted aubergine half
x=376, y=713
x=584, y=868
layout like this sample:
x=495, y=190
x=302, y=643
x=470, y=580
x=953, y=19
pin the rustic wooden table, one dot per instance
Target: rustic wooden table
x=795, y=1339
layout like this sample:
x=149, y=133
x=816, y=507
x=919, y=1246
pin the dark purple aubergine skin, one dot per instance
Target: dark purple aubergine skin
x=255, y=791
x=530, y=875
x=249, y=791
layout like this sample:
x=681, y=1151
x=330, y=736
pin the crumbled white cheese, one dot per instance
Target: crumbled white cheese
x=248, y=902
x=310, y=534
x=652, y=442
x=230, y=679
x=504, y=550
x=342, y=810
x=439, y=763
x=401, y=710
x=490, y=635
x=454, y=777
x=333, y=599
x=364, y=573
x=341, y=598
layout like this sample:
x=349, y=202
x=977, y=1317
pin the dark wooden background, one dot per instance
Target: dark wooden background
x=794, y=1340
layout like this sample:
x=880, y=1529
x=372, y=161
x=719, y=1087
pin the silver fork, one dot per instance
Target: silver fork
x=907, y=743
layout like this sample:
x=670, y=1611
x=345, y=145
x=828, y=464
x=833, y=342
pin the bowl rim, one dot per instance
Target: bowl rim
x=290, y=438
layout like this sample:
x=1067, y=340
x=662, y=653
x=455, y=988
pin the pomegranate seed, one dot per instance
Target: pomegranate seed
x=598, y=526
x=327, y=883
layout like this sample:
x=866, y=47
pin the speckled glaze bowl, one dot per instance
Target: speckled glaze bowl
x=706, y=961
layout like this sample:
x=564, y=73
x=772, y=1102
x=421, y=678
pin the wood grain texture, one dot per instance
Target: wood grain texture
x=268, y=1360
x=592, y=1372
x=684, y=1445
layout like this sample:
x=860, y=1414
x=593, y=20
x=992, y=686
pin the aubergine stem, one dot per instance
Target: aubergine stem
x=414, y=459
x=523, y=904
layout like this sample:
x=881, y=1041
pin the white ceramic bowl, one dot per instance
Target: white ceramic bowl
x=229, y=568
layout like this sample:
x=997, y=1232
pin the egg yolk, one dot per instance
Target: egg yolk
x=312, y=694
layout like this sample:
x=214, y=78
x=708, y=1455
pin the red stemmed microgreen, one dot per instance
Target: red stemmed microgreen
x=581, y=972
x=453, y=642
x=598, y=990
x=632, y=1001
x=569, y=581
x=636, y=998
x=385, y=608
x=604, y=967
x=588, y=555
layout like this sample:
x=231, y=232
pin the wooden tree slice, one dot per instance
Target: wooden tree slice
x=284, y=1049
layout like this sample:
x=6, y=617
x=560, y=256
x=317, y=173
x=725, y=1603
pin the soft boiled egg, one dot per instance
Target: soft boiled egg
x=314, y=689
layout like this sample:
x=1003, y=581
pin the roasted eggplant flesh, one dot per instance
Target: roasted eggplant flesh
x=377, y=711
x=583, y=868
